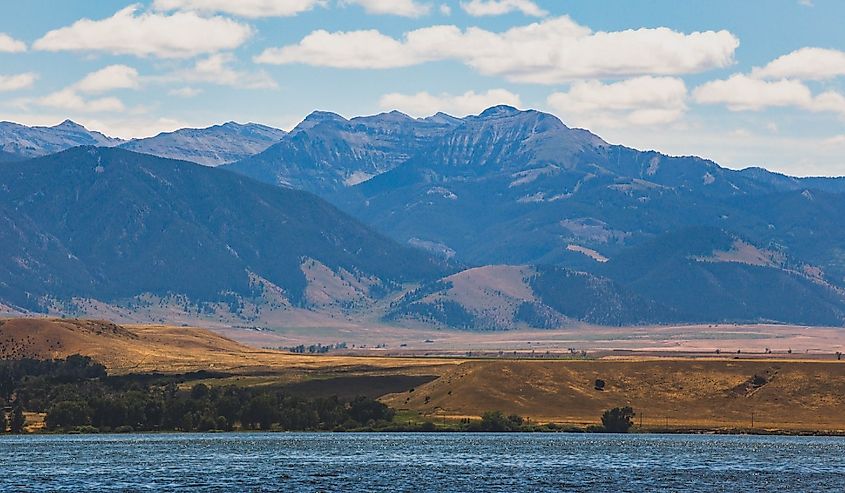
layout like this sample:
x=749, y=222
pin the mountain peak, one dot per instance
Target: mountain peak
x=499, y=111
x=70, y=125
x=318, y=117
x=394, y=115
x=443, y=118
x=324, y=116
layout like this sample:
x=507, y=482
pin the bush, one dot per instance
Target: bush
x=496, y=421
x=618, y=419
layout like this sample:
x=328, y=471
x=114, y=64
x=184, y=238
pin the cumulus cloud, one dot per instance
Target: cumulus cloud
x=470, y=102
x=252, y=9
x=68, y=99
x=109, y=78
x=145, y=34
x=743, y=93
x=806, y=64
x=185, y=92
x=9, y=44
x=217, y=69
x=547, y=52
x=74, y=97
x=639, y=101
x=17, y=82
x=498, y=7
x=404, y=8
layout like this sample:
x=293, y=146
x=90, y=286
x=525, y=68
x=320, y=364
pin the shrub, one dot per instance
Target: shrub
x=618, y=419
x=496, y=421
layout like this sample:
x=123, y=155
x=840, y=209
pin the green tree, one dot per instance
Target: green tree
x=68, y=414
x=365, y=409
x=618, y=419
x=18, y=419
x=199, y=391
x=261, y=411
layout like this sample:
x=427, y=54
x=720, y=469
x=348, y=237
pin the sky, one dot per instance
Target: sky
x=741, y=82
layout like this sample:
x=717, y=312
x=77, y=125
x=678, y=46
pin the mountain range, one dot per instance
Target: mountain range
x=495, y=221
x=211, y=146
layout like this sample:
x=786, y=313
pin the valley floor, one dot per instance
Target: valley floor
x=679, y=390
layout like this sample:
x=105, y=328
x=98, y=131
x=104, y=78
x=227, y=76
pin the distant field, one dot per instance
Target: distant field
x=798, y=392
x=703, y=339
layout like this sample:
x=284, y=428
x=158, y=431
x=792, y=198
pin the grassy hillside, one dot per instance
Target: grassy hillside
x=681, y=393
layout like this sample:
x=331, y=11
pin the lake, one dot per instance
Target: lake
x=435, y=462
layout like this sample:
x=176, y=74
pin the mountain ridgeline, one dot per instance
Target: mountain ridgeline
x=496, y=221
x=689, y=240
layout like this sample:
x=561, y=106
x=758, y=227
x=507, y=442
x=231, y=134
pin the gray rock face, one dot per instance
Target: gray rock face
x=22, y=142
x=210, y=146
x=326, y=152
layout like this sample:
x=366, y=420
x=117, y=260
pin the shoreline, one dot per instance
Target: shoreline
x=655, y=432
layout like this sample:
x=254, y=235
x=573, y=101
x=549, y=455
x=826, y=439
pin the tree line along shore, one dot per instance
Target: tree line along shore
x=77, y=395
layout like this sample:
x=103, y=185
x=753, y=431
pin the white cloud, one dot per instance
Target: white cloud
x=253, y=9
x=180, y=35
x=806, y=64
x=445, y=9
x=106, y=79
x=185, y=92
x=546, y=52
x=17, y=82
x=425, y=104
x=216, y=69
x=109, y=78
x=836, y=140
x=640, y=101
x=499, y=7
x=137, y=126
x=9, y=44
x=68, y=99
x=404, y=8
x=743, y=93
x=354, y=49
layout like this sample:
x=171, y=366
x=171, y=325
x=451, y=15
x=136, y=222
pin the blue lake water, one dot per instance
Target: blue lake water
x=294, y=462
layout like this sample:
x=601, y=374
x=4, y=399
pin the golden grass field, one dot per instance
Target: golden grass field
x=711, y=393
x=667, y=392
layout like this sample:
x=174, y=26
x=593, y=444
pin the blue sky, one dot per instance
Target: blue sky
x=746, y=83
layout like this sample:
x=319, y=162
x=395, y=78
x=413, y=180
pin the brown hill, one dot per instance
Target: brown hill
x=713, y=394
x=148, y=348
